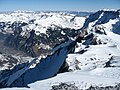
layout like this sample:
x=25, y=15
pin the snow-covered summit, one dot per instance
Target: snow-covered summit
x=101, y=17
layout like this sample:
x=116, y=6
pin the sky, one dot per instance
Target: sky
x=58, y=5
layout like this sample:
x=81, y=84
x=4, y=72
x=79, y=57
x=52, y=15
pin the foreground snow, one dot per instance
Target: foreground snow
x=81, y=79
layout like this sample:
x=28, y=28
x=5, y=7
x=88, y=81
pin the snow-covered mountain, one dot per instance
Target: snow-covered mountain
x=91, y=57
x=36, y=33
x=43, y=20
x=100, y=41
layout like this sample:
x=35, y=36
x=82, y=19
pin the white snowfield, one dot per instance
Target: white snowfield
x=82, y=80
x=88, y=68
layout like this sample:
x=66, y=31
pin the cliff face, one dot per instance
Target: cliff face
x=42, y=44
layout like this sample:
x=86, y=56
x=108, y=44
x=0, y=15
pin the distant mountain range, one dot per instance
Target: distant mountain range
x=80, y=13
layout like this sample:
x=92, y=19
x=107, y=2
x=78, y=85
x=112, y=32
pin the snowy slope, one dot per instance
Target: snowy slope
x=95, y=62
x=100, y=44
x=83, y=80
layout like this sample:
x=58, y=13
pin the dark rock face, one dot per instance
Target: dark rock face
x=2, y=25
x=64, y=67
x=31, y=42
x=107, y=15
x=64, y=86
x=116, y=28
x=117, y=87
x=92, y=18
x=89, y=39
x=113, y=62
